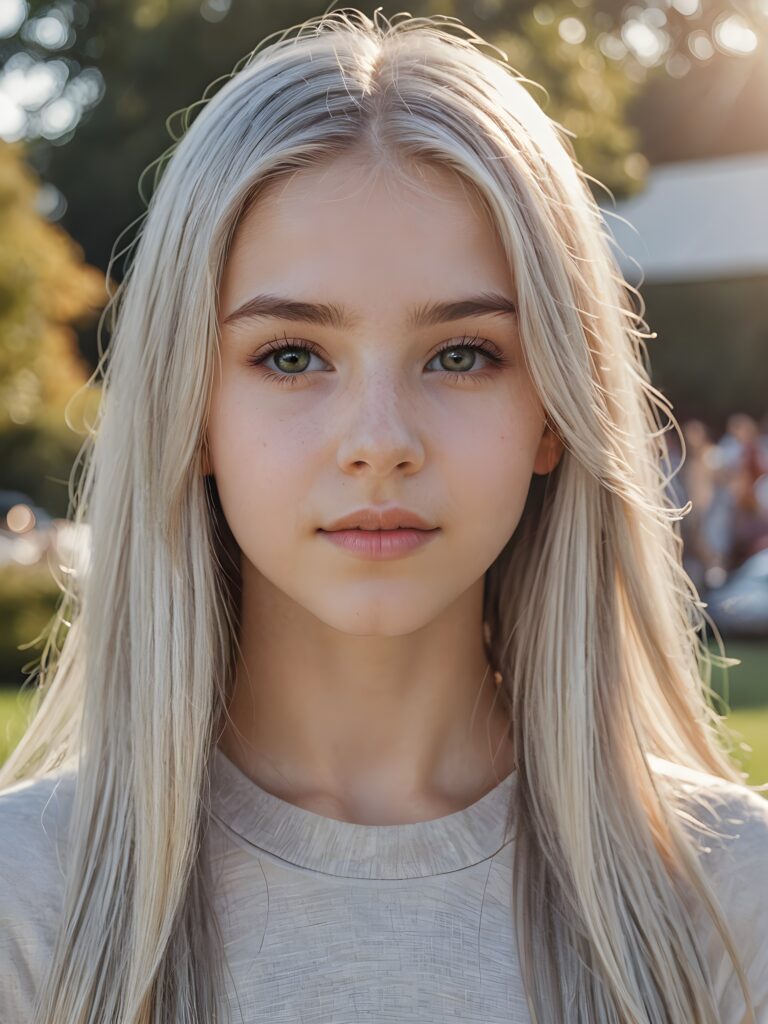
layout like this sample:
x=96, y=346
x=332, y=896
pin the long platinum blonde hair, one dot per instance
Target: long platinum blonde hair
x=596, y=627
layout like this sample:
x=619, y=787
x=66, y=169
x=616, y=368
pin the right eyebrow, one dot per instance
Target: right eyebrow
x=331, y=315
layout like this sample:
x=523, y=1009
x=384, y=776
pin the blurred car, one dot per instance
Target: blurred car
x=740, y=606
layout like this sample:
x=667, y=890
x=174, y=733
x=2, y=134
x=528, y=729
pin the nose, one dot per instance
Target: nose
x=380, y=431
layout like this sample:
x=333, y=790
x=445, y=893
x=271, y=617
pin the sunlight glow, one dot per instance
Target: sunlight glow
x=734, y=35
x=12, y=15
x=647, y=44
x=571, y=30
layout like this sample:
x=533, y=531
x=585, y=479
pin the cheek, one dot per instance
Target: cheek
x=490, y=456
x=262, y=465
x=498, y=443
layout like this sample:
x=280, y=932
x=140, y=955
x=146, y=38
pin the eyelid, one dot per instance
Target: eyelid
x=486, y=346
x=487, y=349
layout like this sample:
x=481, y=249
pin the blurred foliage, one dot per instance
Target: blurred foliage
x=633, y=84
x=670, y=79
x=586, y=92
x=135, y=47
x=28, y=598
x=43, y=286
x=37, y=458
x=44, y=289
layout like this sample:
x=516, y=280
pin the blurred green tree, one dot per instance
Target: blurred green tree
x=46, y=291
x=154, y=58
x=634, y=84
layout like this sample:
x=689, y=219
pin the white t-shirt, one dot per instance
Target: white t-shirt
x=330, y=922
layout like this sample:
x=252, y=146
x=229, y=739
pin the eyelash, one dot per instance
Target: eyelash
x=284, y=343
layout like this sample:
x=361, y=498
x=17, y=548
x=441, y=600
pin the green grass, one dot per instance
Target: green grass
x=747, y=684
x=752, y=726
x=748, y=703
x=13, y=717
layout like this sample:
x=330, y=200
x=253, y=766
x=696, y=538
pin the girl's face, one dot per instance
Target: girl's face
x=388, y=408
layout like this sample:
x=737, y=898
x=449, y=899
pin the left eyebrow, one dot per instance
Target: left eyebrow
x=330, y=315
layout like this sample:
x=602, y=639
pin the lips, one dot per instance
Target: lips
x=375, y=519
x=377, y=545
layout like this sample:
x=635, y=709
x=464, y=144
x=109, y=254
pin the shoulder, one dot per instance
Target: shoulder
x=34, y=818
x=728, y=822
x=730, y=818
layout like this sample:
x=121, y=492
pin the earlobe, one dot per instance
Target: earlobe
x=550, y=451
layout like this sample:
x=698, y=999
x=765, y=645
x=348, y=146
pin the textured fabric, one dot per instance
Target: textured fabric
x=329, y=922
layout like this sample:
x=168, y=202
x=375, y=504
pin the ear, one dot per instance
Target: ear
x=549, y=451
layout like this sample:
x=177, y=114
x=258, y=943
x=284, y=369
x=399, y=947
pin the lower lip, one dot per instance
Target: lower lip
x=379, y=544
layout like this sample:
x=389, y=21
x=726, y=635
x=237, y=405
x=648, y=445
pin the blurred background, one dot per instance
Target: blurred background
x=667, y=104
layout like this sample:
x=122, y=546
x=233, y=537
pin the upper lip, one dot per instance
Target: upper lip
x=379, y=519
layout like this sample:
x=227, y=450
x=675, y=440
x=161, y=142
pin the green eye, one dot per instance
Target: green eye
x=296, y=354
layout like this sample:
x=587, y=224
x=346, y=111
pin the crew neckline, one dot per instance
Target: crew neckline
x=313, y=841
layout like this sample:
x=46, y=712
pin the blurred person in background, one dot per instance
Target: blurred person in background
x=705, y=535
x=743, y=465
x=761, y=486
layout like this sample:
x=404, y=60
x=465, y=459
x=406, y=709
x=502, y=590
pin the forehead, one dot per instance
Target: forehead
x=372, y=237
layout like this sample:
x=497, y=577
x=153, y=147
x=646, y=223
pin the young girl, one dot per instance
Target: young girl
x=383, y=696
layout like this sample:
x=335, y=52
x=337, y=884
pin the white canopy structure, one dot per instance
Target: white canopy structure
x=695, y=221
